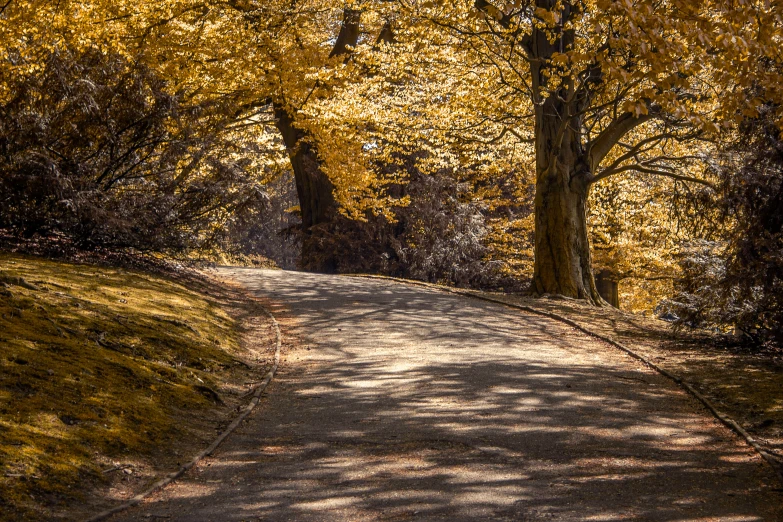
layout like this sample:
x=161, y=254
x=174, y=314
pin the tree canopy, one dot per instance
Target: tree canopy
x=579, y=135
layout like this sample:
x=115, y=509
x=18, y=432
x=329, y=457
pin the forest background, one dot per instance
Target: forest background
x=514, y=145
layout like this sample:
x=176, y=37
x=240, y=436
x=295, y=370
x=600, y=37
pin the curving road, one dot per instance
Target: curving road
x=402, y=403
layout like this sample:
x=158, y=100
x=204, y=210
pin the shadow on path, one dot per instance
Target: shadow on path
x=409, y=404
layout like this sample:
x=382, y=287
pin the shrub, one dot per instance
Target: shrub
x=93, y=146
x=739, y=283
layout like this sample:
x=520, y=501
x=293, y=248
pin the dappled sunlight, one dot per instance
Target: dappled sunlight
x=413, y=404
x=103, y=369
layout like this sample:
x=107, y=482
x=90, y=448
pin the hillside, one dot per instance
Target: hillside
x=107, y=378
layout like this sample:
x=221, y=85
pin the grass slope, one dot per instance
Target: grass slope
x=97, y=363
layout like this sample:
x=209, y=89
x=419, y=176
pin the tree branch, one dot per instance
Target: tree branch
x=648, y=170
x=5, y=6
x=504, y=20
x=604, y=142
x=386, y=35
x=349, y=33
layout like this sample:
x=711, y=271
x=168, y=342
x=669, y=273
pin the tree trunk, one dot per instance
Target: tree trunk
x=562, y=250
x=313, y=187
x=608, y=287
x=315, y=190
x=315, y=193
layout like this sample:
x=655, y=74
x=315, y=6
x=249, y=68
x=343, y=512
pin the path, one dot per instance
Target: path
x=410, y=404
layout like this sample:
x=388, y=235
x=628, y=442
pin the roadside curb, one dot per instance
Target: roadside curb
x=168, y=479
x=773, y=461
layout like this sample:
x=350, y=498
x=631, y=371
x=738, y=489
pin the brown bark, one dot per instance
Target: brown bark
x=313, y=187
x=562, y=250
x=349, y=33
x=608, y=287
x=386, y=35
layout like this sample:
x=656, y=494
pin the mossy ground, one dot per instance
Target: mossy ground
x=97, y=364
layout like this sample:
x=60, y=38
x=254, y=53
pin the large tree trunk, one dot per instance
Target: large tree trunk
x=562, y=250
x=315, y=190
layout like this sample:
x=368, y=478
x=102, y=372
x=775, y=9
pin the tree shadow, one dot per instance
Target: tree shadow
x=417, y=405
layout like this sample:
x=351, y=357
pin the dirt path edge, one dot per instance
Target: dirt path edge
x=730, y=423
x=171, y=477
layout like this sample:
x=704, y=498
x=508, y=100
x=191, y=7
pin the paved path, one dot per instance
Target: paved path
x=409, y=404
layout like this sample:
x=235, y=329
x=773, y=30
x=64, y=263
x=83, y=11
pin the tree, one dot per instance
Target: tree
x=586, y=90
x=736, y=280
x=317, y=204
x=597, y=88
x=281, y=58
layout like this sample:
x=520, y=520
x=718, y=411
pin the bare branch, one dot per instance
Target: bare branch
x=5, y=6
x=648, y=170
x=504, y=20
x=600, y=147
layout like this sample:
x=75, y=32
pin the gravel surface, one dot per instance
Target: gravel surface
x=403, y=403
x=742, y=381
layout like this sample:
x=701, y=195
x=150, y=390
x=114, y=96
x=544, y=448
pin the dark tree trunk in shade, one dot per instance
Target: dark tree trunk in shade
x=562, y=250
x=315, y=190
x=313, y=187
x=608, y=287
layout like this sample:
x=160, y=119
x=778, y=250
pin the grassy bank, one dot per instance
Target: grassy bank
x=100, y=365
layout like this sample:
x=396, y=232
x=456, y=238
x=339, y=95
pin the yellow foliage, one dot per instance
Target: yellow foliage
x=461, y=88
